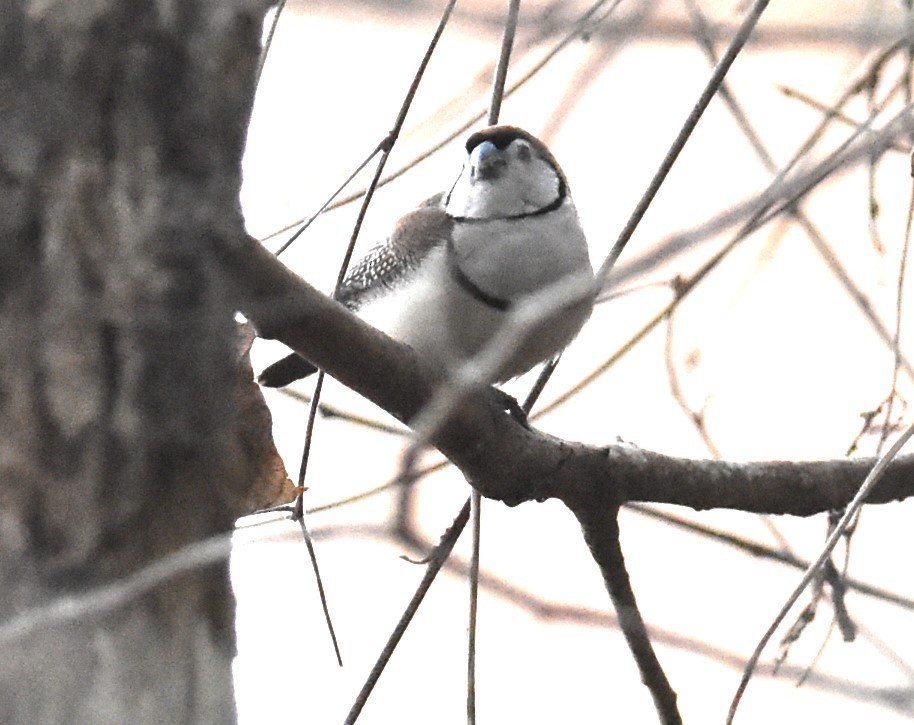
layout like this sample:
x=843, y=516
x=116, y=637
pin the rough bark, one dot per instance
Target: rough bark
x=122, y=130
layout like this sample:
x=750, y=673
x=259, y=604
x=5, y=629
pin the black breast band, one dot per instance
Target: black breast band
x=497, y=303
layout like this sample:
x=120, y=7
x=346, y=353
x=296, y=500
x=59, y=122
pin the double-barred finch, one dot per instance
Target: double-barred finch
x=446, y=278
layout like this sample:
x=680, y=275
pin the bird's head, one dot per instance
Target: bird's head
x=508, y=173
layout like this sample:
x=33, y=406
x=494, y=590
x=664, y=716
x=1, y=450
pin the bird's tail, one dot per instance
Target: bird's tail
x=287, y=370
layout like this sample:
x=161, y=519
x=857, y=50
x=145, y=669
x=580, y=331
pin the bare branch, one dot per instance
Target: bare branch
x=601, y=532
x=526, y=465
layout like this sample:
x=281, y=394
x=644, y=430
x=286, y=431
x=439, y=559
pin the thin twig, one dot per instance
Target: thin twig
x=395, y=482
x=909, y=52
x=840, y=616
x=386, y=145
x=303, y=224
x=473, y=581
x=312, y=555
x=539, y=384
x=899, y=306
x=306, y=447
x=717, y=77
x=268, y=42
x=705, y=38
x=498, y=91
x=388, y=142
x=696, y=417
x=504, y=58
x=299, y=516
x=332, y=412
x=435, y=561
x=832, y=112
x=853, y=290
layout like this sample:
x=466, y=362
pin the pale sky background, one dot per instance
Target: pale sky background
x=770, y=345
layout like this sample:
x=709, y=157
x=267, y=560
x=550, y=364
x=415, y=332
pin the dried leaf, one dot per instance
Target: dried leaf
x=269, y=483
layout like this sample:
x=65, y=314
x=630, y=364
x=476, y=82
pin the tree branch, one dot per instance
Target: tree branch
x=525, y=464
x=601, y=532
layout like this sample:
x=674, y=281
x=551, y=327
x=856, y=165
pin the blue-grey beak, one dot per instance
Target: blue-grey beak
x=486, y=161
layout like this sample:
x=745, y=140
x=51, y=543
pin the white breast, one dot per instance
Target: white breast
x=508, y=259
x=435, y=316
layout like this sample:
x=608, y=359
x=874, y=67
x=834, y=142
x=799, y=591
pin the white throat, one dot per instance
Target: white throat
x=517, y=189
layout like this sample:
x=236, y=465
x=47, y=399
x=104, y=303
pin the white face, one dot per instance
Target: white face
x=497, y=183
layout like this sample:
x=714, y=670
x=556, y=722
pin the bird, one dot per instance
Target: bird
x=451, y=270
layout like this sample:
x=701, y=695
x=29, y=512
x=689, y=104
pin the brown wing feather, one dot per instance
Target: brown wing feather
x=390, y=264
x=378, y=272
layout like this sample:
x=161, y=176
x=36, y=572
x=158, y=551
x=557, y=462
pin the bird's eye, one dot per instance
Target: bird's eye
x=523, y=151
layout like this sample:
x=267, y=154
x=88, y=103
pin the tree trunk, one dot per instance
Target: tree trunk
x=121, y=131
